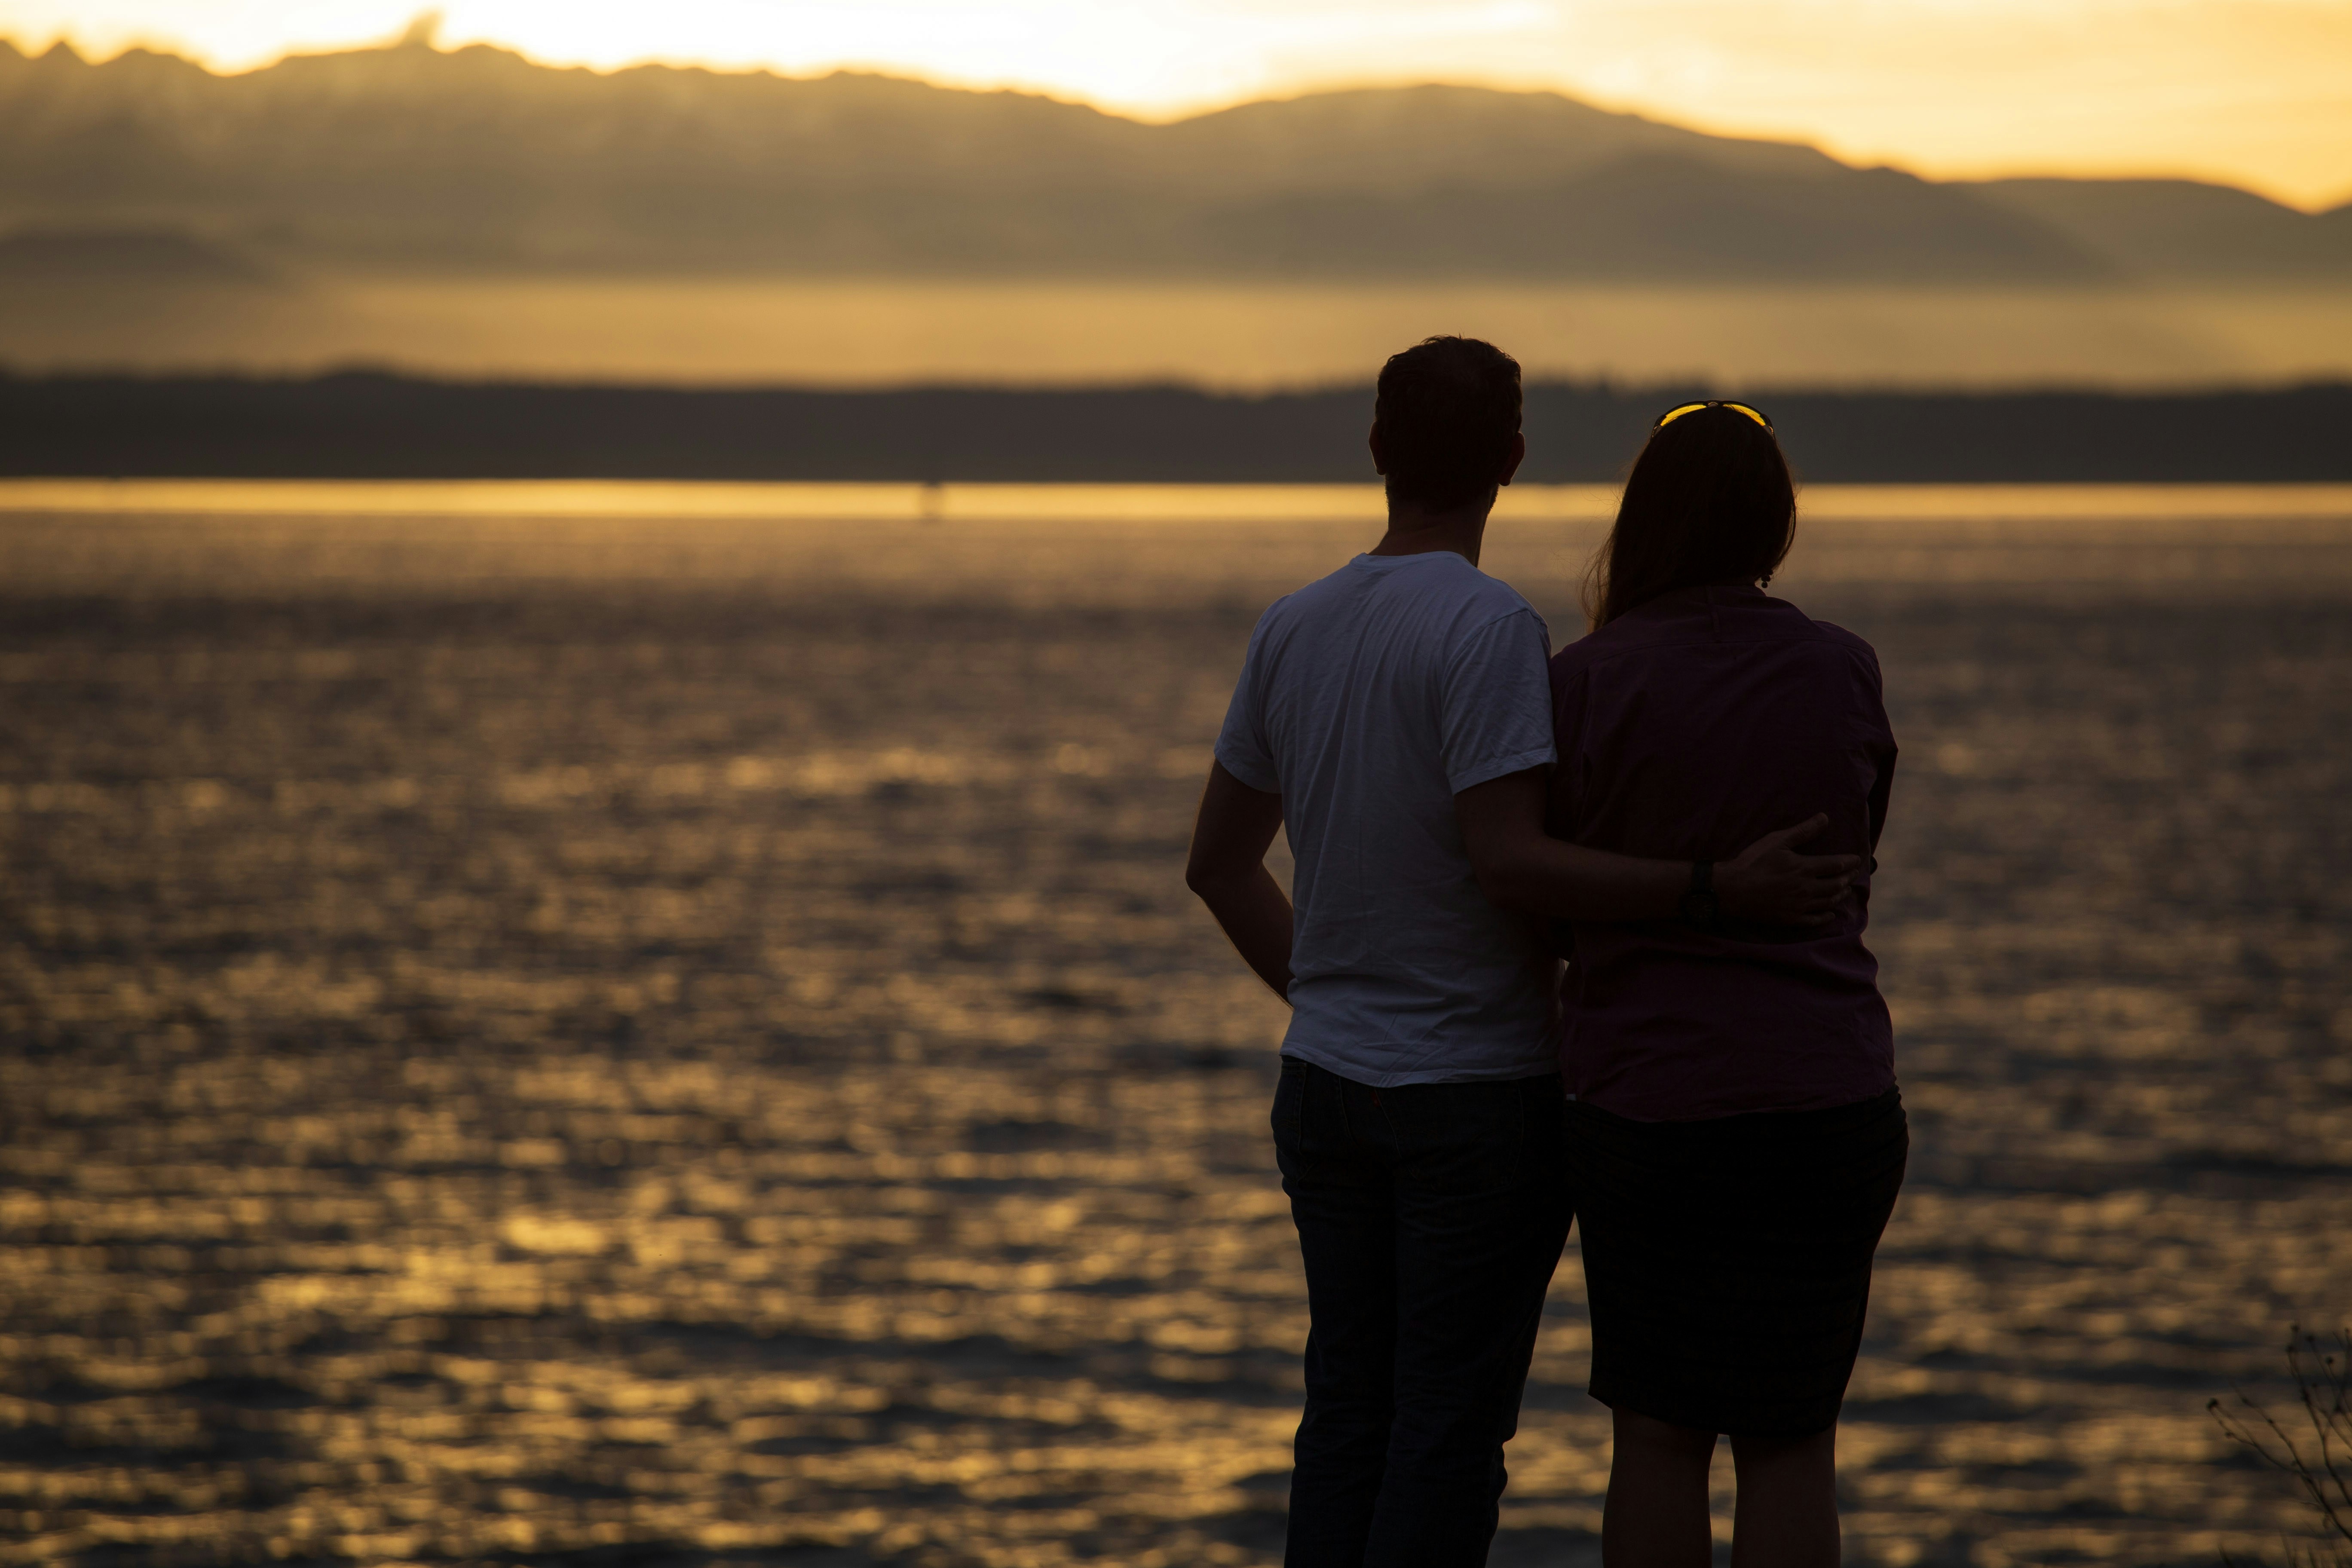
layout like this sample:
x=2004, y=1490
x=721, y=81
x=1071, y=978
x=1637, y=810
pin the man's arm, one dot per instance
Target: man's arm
x=1521, y=867
x=1227, y=869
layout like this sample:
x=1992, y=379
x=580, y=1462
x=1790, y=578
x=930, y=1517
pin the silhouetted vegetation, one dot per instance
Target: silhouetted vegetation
x=386, y=427
x=2322, y=1370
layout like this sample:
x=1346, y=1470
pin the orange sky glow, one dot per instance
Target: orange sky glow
x=2250, y=92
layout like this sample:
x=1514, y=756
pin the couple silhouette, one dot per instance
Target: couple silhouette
x=1572, y=938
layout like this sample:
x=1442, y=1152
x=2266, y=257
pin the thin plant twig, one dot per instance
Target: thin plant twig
x=2322, y=1370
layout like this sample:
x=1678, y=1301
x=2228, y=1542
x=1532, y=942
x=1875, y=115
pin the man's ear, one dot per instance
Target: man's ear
x=1379, y=459
x=1519, y=455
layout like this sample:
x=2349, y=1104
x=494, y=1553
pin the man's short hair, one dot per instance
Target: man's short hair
x=1447, y=409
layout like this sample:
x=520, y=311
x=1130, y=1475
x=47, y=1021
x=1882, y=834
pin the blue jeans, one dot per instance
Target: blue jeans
x=1431, y=1217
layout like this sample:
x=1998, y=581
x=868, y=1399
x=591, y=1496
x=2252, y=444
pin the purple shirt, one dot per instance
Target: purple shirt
x=1687, y=729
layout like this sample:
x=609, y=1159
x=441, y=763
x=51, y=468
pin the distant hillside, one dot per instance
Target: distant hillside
x=411, y=157
x=2184, y=229
x=149, y=255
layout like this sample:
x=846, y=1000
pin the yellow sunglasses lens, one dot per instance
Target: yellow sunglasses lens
x=1671, y=414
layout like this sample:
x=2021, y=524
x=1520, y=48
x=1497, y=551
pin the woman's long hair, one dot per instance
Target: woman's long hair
x=1709, y=500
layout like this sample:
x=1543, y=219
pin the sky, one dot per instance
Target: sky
x=2249, y=92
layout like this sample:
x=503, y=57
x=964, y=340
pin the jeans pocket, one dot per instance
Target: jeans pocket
x=1473, y=1138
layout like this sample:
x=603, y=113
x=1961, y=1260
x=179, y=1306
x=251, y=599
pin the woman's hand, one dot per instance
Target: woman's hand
x=1771, y=883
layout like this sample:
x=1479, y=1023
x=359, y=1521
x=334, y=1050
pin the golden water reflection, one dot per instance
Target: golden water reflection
x=674, y=1036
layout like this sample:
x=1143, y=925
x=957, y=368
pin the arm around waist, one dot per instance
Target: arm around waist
x=1522, y=868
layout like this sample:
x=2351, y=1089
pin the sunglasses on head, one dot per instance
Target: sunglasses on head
x=1679, y=409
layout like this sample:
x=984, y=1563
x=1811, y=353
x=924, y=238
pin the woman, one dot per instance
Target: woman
x=1737, y=1138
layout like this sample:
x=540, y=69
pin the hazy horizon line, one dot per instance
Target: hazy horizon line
x=419, y=35
x=1600, y=383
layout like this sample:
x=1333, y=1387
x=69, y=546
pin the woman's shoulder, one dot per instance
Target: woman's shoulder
x=1848, y=659
x=1749, y=618
x=1831, y=632
x=1792, y=620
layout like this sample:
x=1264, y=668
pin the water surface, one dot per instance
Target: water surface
x=602, y=1025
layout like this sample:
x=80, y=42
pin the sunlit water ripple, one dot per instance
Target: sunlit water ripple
x=666, y=1034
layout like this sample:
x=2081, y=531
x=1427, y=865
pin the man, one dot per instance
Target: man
x=1396, y=717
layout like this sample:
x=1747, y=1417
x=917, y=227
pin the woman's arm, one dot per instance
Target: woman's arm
x=1521, y=867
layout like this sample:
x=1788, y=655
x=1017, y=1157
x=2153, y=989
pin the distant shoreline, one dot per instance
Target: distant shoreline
x=372, y=426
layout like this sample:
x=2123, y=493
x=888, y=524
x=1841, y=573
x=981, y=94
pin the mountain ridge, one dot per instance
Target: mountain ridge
x=408, y=156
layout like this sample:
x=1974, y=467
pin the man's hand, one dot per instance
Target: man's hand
x=1771, y=883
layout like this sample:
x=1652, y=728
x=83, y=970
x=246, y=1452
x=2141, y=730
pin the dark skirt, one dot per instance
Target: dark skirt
x=1727, y=1261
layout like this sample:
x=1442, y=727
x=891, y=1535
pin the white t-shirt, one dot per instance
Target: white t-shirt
x=1367, y=701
